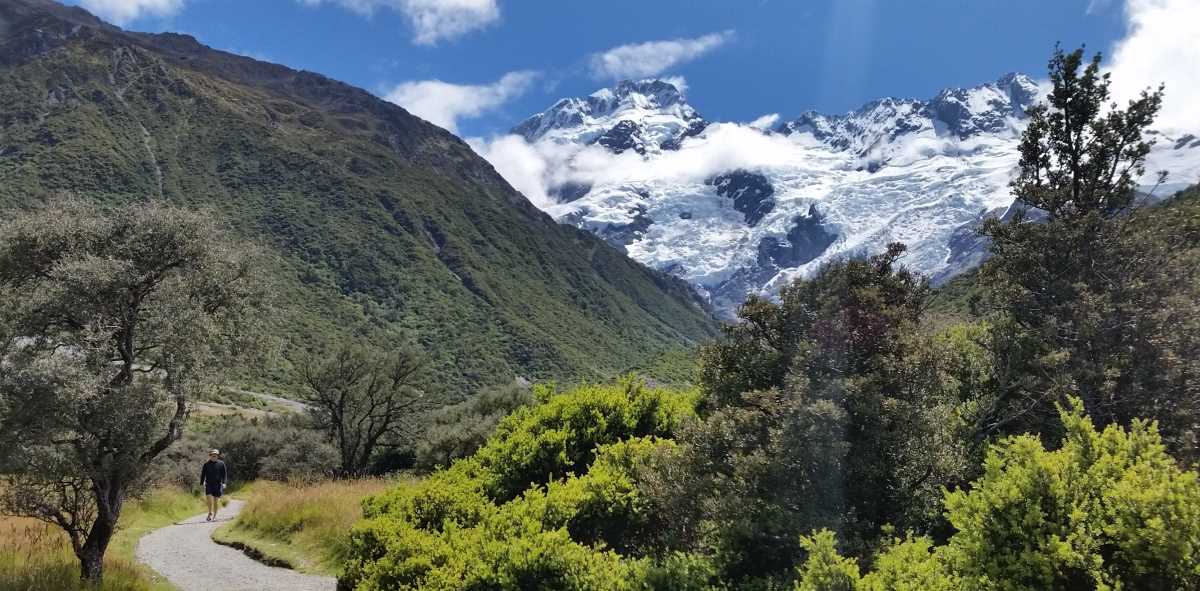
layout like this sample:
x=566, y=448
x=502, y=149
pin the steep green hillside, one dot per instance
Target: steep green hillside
x=384, y=225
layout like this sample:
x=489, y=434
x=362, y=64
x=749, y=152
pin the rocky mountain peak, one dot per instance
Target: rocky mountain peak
x=644, y=115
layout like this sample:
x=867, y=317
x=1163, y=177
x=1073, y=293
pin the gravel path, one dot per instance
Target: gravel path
x=185, y=554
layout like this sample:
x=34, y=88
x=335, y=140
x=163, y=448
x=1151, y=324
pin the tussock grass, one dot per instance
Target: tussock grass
x=305, y=525
x=35, y=556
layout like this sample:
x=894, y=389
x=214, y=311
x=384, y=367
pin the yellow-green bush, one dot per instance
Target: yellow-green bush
x=546, y=503
x=1108, y=510
x=560, y=434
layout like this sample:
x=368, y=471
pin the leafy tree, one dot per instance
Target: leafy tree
x=366, y=400
x=1077, y=159
x=113, y=320
x=1081, y=298
x=834, y=386
x=743, y=485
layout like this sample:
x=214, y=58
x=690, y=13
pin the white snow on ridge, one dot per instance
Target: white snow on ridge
x=638, y=166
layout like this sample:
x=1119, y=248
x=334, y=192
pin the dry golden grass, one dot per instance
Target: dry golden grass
x=306, y=525
x=38, y=556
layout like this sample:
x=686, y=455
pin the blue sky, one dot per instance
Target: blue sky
x=741, y=58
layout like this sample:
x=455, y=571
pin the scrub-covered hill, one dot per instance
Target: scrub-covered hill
x=383, y=225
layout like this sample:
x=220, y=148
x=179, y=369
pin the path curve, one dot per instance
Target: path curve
x=185, y=554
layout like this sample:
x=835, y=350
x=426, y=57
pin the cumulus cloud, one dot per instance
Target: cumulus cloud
x=123, y=12
x=537, y=168
x=642, y=60
x=443, y=103
x=431, y=20
x=1160, y=47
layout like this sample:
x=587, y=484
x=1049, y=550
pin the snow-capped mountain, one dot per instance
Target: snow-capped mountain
x=650, y=116
x=739, y=209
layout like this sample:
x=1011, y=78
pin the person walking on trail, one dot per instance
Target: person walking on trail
x=213, y=477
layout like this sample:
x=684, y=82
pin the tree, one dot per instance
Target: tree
x=1078, y=300
x=113, y=320
x=365, y=399
x=833, y=386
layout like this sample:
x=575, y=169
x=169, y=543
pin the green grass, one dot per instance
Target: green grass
x=37, y=557
x=304, y=526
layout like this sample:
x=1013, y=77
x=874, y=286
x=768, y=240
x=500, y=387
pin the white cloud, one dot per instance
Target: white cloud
x=123, y=12
x=1160, y=47
x=679, y=82
x=765, y=122
x=642, y=60
x=443, y=103
x=536, y=168
x=525, y=166
x=431, y=20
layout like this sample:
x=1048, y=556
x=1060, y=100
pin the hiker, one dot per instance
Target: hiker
x=213, y=477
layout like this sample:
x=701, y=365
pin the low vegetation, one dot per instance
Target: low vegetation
x=38, y=556
x=306, y=526
x=541, y=505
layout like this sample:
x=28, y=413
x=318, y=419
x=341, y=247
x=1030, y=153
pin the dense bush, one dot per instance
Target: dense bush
x=549, y=502
x=744, y=484
x=457, y=431
x=1107, y=510
x=275, y=448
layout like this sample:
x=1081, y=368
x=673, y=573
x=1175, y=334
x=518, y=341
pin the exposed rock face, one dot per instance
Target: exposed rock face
x=750, y=191
x=568, y=192
x=625, y=135
x=807, y=240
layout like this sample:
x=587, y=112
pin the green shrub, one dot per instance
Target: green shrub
x=538, y=444
x=679, y=572
x=285, y=448
x=1108, y=510
x=459, y=430
x=549, y=502
x=912, y=564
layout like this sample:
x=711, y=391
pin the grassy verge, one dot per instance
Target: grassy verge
x=37, y=556
x=304, y=526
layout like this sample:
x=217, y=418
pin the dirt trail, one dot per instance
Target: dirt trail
x=185, y=554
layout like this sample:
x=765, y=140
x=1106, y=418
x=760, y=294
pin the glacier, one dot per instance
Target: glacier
x=744, y=208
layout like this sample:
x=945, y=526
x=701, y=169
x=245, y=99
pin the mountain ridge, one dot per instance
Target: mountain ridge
x=738, y=209
x=386, y=226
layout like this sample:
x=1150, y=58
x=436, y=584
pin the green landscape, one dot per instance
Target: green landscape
x=422, y=381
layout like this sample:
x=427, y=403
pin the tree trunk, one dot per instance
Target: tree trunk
x=91, y=562
x=91, y=555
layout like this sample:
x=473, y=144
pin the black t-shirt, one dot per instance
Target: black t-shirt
x=213, y=473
